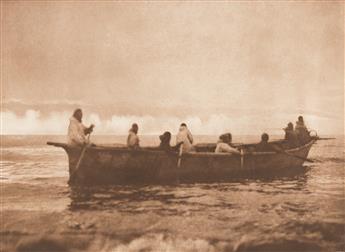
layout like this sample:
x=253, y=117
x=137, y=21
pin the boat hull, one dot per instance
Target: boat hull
x=110, y=165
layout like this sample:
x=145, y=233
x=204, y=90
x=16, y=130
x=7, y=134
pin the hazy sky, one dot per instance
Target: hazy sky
x=244, y=67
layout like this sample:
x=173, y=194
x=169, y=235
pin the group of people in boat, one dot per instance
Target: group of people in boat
x=184, y=139
x=299, y=135
x=294, y=137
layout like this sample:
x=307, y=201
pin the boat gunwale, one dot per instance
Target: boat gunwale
x=150, y=149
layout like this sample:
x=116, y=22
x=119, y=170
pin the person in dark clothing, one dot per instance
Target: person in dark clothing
x=301, y=130
x=291, y=136
x=165, y=142
x=265, y=146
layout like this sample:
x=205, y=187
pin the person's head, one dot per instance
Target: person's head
x=183, y=125
x=135, y=128
x=264, y=137
x=289, y=126
x=300, y=119
x=229, y=137
x=165, y=138
x=226, y=138
x=78, y=114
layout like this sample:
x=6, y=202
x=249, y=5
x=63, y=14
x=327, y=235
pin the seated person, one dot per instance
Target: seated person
x=165, y=142
x=224, y=144
x=264, y=146
x=133, y=139
x=186, y=137
x=302, y=131
x=291, y=136
x=77, y=131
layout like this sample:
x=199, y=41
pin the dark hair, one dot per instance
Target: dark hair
x=78, y=110
x=226, y=138
x=264, y=137
x=134, y=128
x=290, y=125
x=300, y=118
x=183, y=124
x=229, y=136
x=165, y=137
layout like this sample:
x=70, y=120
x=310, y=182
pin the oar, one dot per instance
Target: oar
x=302, y=158
x=242, y=158
x=326, y=138
x=179, y=156
x=81, y=156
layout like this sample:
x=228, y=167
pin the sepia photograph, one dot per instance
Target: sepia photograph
x=172, y=126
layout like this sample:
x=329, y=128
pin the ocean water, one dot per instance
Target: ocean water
x=40, y=212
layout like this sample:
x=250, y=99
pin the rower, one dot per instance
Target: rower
x=265, y=146
x=186, y=137
x=77, y=131
x=302, y=132
x=224, y=144
x=133, y=139
x=165, y=142
x=291, y=136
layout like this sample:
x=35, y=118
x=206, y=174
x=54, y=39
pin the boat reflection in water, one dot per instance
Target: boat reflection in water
x=168, y=199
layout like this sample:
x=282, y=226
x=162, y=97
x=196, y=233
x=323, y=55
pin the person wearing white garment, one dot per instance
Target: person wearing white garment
x=224, y=144
x=133, y=139
x=185, y=136
x=77, y=131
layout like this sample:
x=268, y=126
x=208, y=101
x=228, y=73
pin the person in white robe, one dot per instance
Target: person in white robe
x=133, y=139
x=185, y=136
x=77, y=131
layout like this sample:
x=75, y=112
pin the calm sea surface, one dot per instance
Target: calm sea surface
x=40, y=212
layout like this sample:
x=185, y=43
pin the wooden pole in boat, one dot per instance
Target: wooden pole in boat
x=326, y=138
x=302, y=158
x=180, y=156
x=82, y=155
x=242, y=158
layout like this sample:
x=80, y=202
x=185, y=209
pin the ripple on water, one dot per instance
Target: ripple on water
x=300, y=212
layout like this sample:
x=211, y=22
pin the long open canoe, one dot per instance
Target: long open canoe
x=120, y=165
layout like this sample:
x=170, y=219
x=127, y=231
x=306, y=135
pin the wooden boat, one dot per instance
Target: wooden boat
x=120, y=165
